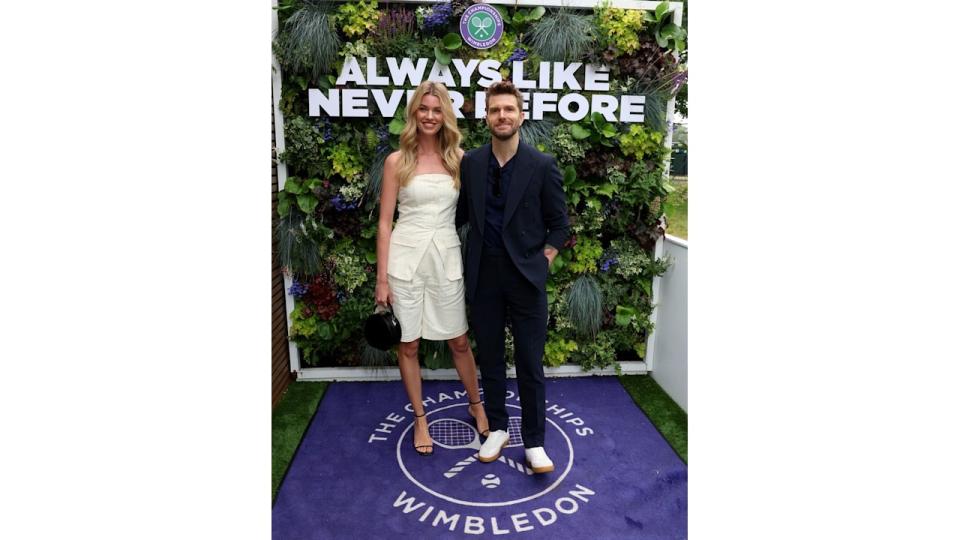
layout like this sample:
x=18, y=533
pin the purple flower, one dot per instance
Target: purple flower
x=518, y=55
x=438, y=16
x=342, y=205
x=605, y=267
x=678, y=80
x=327, y=130
x=297, y=289
x=396, y=22
x=610, y=259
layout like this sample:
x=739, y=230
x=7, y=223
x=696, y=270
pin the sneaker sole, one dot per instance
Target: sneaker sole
x=496, y=457
x=540, y=470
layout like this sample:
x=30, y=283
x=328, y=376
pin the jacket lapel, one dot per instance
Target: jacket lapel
x=518, y=182
x=479, y=185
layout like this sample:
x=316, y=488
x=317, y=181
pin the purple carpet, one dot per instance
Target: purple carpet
x=357, y=476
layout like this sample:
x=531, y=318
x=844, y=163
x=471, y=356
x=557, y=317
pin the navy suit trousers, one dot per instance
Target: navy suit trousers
x=502, y=293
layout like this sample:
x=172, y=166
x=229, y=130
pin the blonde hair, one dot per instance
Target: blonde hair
x=449, y=135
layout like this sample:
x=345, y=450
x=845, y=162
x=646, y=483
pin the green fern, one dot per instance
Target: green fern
x=301, y=250
x=585, y=304
x=562, y=36
x=655, y=106
x=308, y=42
x=375, y=172
x=537, y=132
x=658, y=92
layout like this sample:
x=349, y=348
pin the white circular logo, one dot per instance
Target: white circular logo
x=458, y=442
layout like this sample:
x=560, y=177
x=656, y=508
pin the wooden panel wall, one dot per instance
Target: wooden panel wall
x=282, y=377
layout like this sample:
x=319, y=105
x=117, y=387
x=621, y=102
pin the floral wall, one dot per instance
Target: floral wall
x=599, y=290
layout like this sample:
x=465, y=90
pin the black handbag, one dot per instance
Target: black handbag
x=382, y=329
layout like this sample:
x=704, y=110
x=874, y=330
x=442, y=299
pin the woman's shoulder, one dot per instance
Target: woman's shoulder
x=393, y=158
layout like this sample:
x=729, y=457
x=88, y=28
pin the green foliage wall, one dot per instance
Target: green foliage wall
x=600, y=285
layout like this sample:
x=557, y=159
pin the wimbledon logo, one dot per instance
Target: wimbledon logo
x=481, y=26
x=452, y=491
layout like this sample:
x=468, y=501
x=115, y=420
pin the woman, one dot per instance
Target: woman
x=419, y=266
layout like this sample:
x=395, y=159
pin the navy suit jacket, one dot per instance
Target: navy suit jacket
x=535, y=213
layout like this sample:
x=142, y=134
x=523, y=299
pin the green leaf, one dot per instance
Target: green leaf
x=574, y=198
x=557, y=265
x=598, y=120
x=669, y=30
x=324, y=83
x=578, y=132
x=640, y=348
x=609, y=130
x=519, y=18
x=313, y=183
x=569, y=174
x=307, y=203
x=537, y=13
x=397, y=125
x=452, y=41
x=669, y=188
x=607, y=189
x=283, y=205
x=647, y=287
x=503, y=12
x=625, y=315
x=662, y=9
x=293, y=186
x=442, y=56
x=326, y=332
x=662, y=40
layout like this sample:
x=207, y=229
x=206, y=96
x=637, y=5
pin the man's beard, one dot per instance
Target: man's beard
x=506, y=136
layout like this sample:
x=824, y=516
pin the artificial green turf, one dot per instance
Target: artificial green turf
x=290, y=420
x=675, y=207
x=665, y=414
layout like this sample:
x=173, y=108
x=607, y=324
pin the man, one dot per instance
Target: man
x=512, y=196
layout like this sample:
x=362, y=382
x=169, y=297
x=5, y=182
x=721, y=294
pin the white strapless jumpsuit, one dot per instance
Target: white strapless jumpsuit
x=424, y=264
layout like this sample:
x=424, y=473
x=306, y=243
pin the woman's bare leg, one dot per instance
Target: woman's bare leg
x=467, y=369
x=410, y=373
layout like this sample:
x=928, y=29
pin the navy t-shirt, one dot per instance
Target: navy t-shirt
x=496, y=201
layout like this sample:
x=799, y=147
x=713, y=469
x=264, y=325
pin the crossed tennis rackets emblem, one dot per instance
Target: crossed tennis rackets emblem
x=455, y=434
x=484, y=26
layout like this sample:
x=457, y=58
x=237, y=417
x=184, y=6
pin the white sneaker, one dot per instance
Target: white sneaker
x=537, y=460
x=490, y=449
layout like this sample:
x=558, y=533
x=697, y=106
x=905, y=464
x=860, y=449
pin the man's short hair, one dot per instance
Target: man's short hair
x=500, y=88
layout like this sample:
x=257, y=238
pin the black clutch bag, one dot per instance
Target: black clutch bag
x=382, y=329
